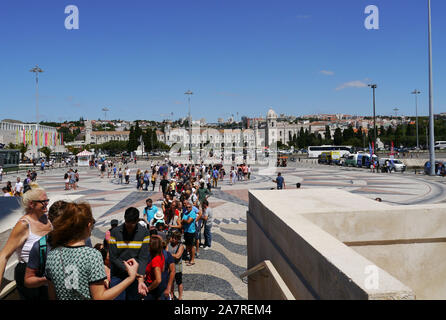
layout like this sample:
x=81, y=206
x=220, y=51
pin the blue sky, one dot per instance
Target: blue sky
x=138, y=57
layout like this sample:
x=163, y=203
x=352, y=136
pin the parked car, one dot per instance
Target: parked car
x=394, y=165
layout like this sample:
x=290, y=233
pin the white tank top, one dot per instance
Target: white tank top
x=23, y=252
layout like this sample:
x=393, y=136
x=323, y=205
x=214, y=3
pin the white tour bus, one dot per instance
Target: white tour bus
x=315, y=151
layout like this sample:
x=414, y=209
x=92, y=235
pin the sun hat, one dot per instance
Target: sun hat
x=159, y=215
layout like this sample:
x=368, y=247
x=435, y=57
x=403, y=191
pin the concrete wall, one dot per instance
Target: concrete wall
x=312, y=262
x=407, y=241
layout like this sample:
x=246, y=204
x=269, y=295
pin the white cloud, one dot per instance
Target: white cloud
x=327, y=72
x=352, y=84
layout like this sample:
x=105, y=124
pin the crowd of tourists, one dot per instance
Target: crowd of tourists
x=140, y=259
x=145, y=179
x=20, y=186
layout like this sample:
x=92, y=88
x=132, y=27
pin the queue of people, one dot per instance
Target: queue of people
x=141, y=259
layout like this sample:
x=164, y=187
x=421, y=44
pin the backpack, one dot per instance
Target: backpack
x=65, y=176
x=42, y=254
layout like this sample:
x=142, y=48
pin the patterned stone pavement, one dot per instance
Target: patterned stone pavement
x=216, y=272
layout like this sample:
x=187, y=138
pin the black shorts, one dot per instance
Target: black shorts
x=189, y=239
x=178, y=278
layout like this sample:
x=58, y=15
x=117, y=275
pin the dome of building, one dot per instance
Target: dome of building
x=271, y=114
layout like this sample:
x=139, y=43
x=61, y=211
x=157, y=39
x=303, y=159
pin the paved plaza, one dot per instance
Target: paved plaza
x=216, y=272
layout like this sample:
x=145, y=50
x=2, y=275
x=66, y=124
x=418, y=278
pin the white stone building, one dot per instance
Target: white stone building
x=260, y=134
x=34, y=135
x=100, y=137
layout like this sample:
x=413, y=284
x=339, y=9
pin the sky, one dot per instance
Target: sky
x=139, y=57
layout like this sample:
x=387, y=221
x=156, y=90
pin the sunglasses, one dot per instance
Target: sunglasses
x=42, y=202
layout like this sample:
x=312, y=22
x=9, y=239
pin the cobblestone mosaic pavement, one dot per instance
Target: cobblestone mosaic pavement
x=216, y=272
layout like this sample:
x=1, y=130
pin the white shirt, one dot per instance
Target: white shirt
x=18, y=186
x=127, y=172
x=7, y=194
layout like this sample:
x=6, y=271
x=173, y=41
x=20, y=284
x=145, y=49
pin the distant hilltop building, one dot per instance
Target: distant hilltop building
x=100, y=137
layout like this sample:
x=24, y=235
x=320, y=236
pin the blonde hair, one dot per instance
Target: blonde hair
x=32, y=195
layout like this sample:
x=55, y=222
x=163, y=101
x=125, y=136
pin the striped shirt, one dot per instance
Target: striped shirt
x=136, y=247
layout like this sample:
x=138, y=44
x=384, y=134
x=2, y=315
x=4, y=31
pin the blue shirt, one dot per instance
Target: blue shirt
x=279, y=180
x=190, y=227
x=150, y=213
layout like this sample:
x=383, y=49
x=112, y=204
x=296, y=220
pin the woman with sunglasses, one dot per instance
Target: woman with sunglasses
x=29, y=229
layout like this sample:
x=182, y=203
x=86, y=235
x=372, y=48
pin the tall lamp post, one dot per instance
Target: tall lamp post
x=374, y=86
x=431, y=99
x=189, y=93
x=416, y=93
x=37, y=70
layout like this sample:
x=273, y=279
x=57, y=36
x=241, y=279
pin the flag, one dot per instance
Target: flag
x=370, y=150
x=391, y=153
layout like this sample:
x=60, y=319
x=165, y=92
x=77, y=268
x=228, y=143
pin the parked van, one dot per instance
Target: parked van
x=351, y=161
x=395, y=165
x=330, y=157
x=363, y=160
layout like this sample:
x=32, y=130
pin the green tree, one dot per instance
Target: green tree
x=133, y=143
x=348, y=133
x=327, y=135
x=337, y=137
x=46, y=151
x=23, y=149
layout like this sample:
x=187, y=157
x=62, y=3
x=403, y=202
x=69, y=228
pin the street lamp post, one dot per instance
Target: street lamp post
x=416, y=93
x=37, y=70
x=431, y=99
x=374, y=86
x=189, y=93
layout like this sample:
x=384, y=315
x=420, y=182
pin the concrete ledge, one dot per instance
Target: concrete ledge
x=313, y=263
